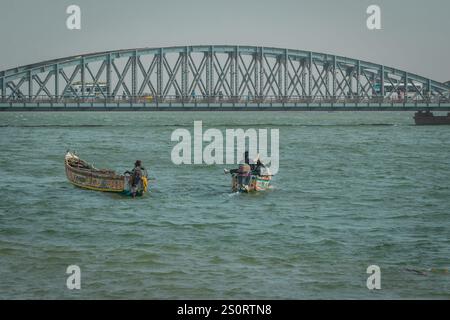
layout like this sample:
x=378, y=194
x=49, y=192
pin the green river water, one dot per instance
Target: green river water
x=353, y=190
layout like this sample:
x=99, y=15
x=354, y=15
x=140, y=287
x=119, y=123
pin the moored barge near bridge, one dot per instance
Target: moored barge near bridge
x=428, y=118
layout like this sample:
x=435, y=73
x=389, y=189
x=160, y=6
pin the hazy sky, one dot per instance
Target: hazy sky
x=415, y=33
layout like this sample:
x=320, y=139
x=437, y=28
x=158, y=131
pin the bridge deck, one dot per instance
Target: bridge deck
x=180, y=106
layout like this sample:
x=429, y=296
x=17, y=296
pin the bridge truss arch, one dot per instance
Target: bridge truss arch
x=211, y=73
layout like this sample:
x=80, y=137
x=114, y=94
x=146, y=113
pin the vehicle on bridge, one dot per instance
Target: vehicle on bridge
x=397, y=91
x=91, y=90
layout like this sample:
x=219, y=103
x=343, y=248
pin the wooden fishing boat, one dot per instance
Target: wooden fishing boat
x=84, y=175
x=246, y=180
x=250, y=183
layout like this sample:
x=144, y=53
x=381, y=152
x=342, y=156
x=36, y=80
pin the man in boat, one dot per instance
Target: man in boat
x=245, y=163
x=136, y=176
x=245, y=170
x=259, y=167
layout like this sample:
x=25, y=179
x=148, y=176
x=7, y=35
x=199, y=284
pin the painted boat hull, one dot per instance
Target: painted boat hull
x=99, y=180
x=253, y=184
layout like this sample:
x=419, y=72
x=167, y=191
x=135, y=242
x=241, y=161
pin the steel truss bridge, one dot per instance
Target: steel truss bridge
x=219, y=77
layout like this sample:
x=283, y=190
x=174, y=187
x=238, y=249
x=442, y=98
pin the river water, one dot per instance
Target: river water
x=353, y=190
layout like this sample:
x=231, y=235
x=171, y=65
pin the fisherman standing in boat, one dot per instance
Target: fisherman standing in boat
x=259, y=168
x=136, y=176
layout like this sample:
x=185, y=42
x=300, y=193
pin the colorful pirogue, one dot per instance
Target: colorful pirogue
x=246, y=180
x=84, y=175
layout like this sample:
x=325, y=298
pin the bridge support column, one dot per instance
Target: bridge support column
x=159, y=75
x=232, y=58
x=280, y=77
x=83, y=78
x=108, y=75
x=326, y=79
x=236, y=72
x=133, y=75
x=286, y=71
x=30, y=86
x=310, y=68
x=208, y=74
x=406, y=79
x=358, y=78
x=429, y=89
x=350, y=82
x=2, y=88
x=211, y=74
x=334, y=77
x=184, y=74
x=373, y=79
x=56, y=73
x=261, y=73
x=303, y=75
x=256, y=64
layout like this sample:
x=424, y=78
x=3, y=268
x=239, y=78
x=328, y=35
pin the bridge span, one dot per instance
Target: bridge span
x=217, y=77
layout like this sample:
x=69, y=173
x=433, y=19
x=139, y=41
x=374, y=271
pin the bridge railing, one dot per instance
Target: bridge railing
x=241, y=100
